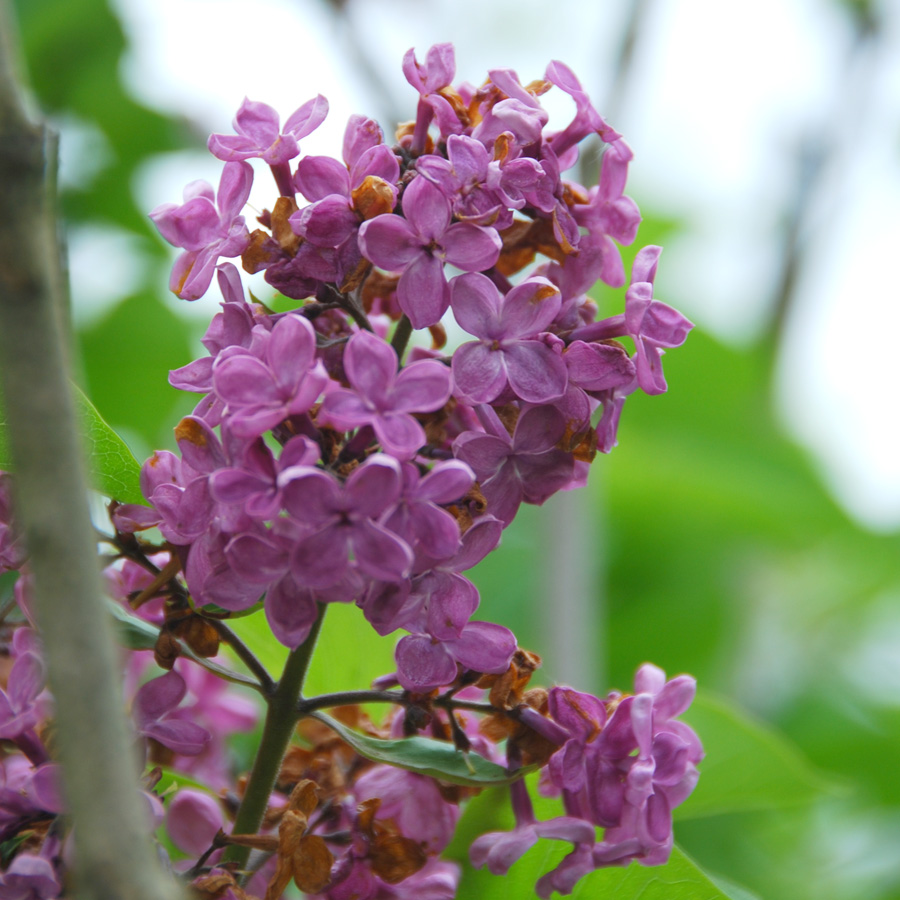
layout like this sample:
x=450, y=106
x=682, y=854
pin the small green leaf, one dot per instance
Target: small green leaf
x=748, y=765
x=113, y=469
x=134, y=633
x=423, y=756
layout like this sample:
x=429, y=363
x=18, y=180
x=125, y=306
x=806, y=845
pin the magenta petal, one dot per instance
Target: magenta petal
x=535, y=372
x=484, y=647
x=157, y=697
x=192, y=820
x=472, y=248
x=530, y=307
x=446, y=482
x=307, y=118
x=291, y=350
x=234, y=189
x=598, y=367
x=379, y=553
x=26, y=680
x=370, y=364
x=196, y=376
x=483, y=452
x=675, y=697
x=389, y=241
x=310, y=495
x=319, y=176
x=375, y=485
x=257, y=121
x=422, y=291
x=478, y=372
x=645, y=262
x=477, y=542
x=538, y=429
x=476, y=305
x=185, y=738
x=345, y=409
x=399, y=434
x=321, y=559
x=499, y=850
x=436, y=530
x=422, y=664
x=451, y=602
x=235, y=485
x=243, y=381
x=255, y=559
x=290, y=612
x=427, y=210
x=422, y=386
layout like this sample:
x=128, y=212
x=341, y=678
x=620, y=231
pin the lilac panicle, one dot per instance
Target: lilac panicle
x=336, y=457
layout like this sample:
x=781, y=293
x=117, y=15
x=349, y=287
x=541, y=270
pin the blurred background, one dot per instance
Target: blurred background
x=746, y=528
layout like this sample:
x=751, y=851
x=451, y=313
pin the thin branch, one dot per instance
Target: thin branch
x=350, y=698
x=114, y=857
x=246, y=656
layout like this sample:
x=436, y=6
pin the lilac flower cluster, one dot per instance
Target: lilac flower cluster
x=335, y=456
x=624, y=763
x=341, y=471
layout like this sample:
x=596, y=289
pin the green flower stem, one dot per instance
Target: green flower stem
x=281, y=719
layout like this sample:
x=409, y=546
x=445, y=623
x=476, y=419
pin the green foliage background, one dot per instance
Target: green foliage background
x=724, y=557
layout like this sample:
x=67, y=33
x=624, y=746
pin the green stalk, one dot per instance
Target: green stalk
x=281, y=719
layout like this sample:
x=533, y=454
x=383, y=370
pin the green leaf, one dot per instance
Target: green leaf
x=113, y=469
x=680, y=879
x=423, y=756
x=134, y=633
x=748, y=765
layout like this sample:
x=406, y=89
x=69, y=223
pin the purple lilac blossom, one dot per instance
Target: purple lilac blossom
x=383, y=398
x=506, y=354
x=207, y=225
x=419, y=244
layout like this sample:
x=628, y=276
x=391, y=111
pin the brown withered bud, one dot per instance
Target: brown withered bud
x=373, y=197
x=215, y=886
x=262, y=251
x=303, y=798
x=365, y=813
x=158, y=754
x=523, y=240
x=379, y=286
x=394, y=857
x=311, y=864
x=452, y=96
x=198, y=633
x=538, y=87
x=506, y=690
x=582, y=444
x=166, y=650
x=285, y=207
x=355, y=277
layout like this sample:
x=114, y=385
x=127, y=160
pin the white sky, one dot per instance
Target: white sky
x=721, y=94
